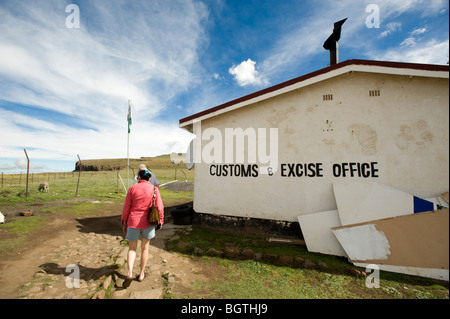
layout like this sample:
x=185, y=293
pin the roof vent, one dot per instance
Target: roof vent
x=374, y=92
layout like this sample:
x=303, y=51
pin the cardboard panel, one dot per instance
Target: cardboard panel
x=415, y=244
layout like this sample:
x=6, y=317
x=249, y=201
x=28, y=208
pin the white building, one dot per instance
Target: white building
x=274, y=154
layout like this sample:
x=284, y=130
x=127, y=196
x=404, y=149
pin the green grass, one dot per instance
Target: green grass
x=102, y=185
x=251, y=279
x=18, y=233
x=23, y=226
x=93, y=186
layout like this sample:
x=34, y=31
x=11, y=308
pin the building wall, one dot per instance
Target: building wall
x=398, y=137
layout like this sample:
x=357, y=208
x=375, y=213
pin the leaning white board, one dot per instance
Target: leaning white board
x=359, y=202
x=363, y=242
x=316, y=230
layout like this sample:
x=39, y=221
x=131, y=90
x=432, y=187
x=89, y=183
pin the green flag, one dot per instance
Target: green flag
x=129, y=117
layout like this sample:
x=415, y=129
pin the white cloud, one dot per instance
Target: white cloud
x=146, y=52
x=432, y=52
x=22, y=164
x=418, y=31
x=246, y=74
x=391, y=27
x=411, y=41
x=408, y=42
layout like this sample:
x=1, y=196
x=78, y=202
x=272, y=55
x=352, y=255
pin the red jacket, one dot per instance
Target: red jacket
x=137, y=203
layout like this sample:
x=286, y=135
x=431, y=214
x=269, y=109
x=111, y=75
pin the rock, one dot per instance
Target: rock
x=356, y=273
x=322, y=264
x=271, y=258
x=286, y=260
x=247, y=253
x=27, y=213
x=183, y=245
x=309, y=264
x=299, y=262
x=35, y=290
x=99, y=295
x=107, y=282
x=120, y=293
x=257, y=256
x=214, y=252
x=147, y=294
x=232, y=251
x=120, y=261
x=198, y=251
x=171, y=280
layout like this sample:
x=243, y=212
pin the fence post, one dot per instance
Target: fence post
x=117, y=181
x=28, y=170
x=79, y=173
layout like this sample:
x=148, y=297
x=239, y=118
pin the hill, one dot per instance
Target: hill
x=113, y=164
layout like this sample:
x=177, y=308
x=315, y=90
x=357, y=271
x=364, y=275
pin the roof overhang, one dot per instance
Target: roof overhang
x=394, y=68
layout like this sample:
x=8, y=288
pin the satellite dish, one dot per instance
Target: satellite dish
x=190, y=156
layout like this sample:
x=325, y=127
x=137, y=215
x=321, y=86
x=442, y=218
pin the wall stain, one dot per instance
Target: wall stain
x=280, y=116
x=367, y=138
x=417, y=134
x=328, y=142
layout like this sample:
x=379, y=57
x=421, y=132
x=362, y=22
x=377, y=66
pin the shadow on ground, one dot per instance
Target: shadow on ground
x=85, y=273
x=109, y=225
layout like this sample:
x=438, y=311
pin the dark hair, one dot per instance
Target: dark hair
x=144, y=175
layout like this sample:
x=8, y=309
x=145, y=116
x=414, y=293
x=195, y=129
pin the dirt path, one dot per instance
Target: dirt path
x=92, y=247
x=20, y=268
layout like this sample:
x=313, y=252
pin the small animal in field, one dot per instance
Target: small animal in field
x=43, y=187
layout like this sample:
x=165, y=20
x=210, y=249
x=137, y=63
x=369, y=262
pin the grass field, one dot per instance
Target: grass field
x=63, y=196
x=103, y=184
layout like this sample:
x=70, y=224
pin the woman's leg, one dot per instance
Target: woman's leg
x=144, y=256
x=132, y=246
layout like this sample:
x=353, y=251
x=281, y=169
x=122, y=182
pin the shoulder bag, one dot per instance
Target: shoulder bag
x=153, y=214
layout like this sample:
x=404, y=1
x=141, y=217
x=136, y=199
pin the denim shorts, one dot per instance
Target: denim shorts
x=136, y=233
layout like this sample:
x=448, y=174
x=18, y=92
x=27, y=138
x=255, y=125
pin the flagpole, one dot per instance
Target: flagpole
x=128, y=143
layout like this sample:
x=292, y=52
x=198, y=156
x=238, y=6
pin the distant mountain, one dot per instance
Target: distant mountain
x=113, y=164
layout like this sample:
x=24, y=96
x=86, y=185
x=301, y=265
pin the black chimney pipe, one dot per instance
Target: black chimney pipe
x=331, y=43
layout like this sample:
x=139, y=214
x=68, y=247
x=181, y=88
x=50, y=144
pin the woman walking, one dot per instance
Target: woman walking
x=134, y=221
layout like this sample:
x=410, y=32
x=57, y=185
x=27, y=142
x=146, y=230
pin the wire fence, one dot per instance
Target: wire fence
x=75, y=183
x=10, y=180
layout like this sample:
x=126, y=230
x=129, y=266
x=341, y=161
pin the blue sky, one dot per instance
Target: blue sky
x=64, y=90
